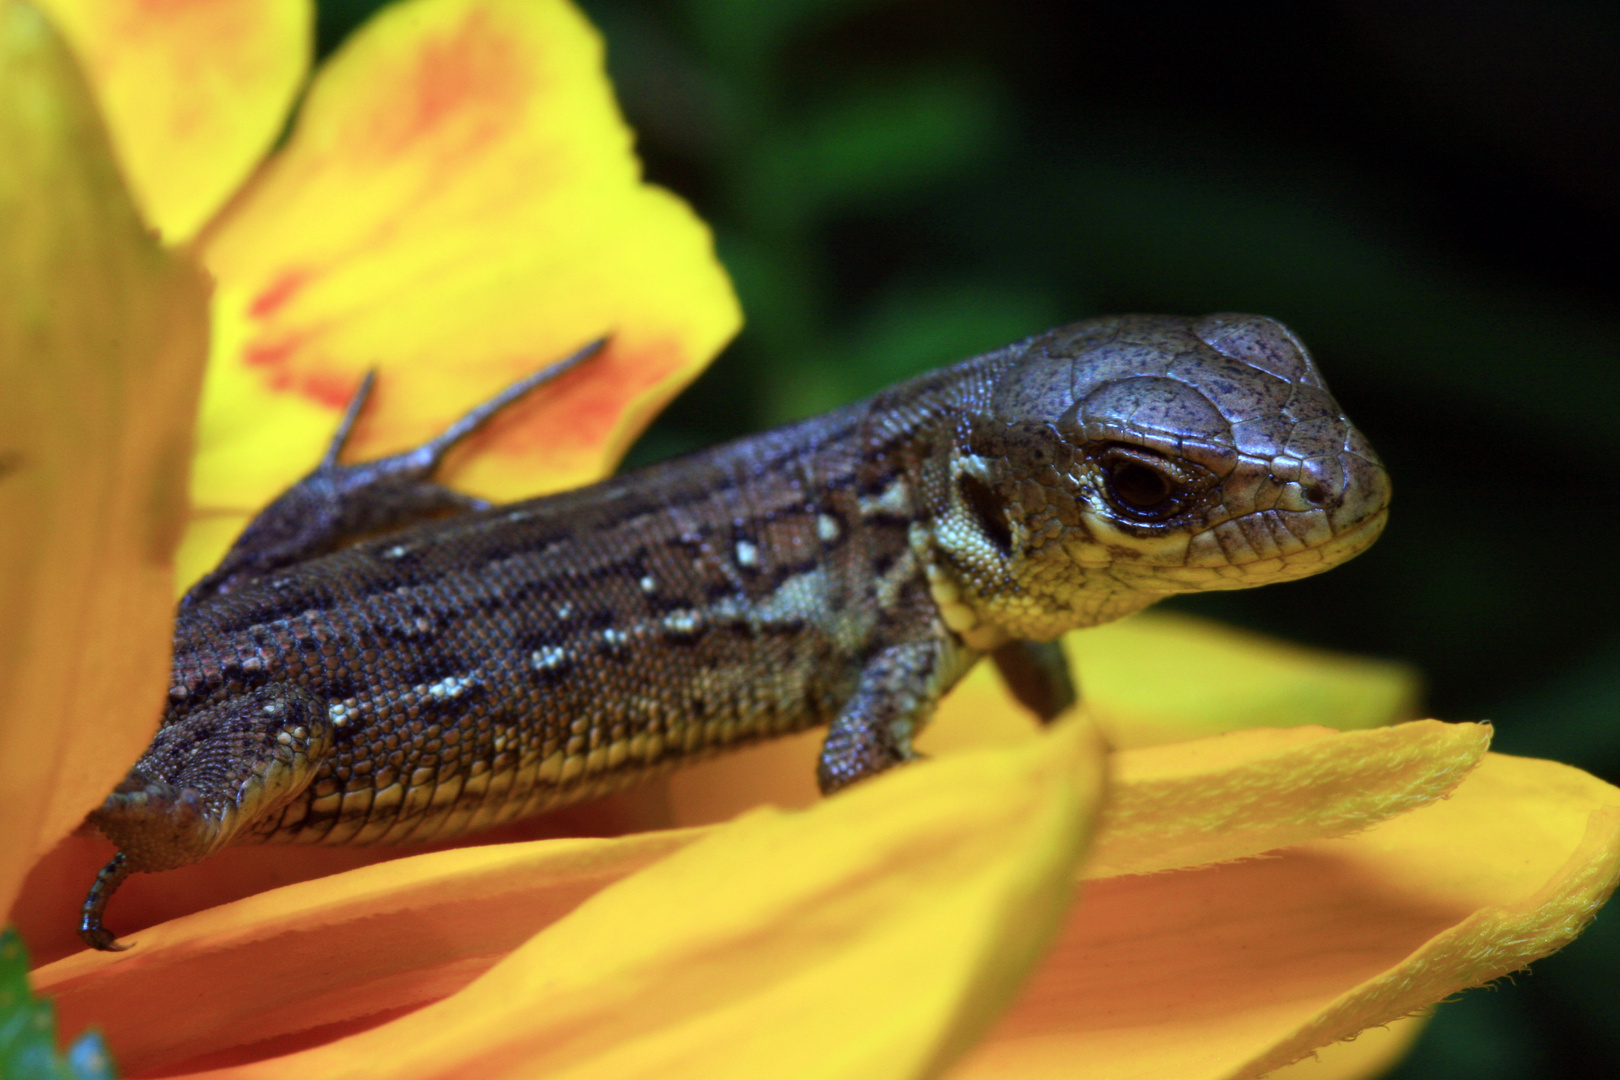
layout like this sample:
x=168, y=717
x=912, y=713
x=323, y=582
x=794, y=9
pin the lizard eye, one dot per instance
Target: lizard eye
x=1143, y=486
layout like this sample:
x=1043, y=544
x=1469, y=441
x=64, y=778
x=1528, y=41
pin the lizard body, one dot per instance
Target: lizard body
x=444, y=674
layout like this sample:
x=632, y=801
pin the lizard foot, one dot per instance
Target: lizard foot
x=873, y=732
x=337, y=504
x=203, y=781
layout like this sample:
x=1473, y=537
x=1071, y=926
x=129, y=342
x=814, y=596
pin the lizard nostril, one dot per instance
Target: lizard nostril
x=1316, y=495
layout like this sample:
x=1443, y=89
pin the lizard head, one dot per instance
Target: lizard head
x=209, y=775
x=1108, y=464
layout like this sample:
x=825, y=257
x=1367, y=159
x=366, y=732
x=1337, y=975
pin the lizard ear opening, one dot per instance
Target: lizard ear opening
x=989, y=508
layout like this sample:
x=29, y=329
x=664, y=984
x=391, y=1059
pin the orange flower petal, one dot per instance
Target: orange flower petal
x=102, y=336
x=339, y=950
x=1247, y=792
x=46, y=912
x=781, y=772
x=1233, y=970
x=458, y=207
x=194, y=93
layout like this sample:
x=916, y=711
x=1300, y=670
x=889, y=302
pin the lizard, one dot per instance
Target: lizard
x=381, y=659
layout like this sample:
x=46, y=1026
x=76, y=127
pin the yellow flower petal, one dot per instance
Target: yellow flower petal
x=1233, y=970
x=1248, y=792
x=901, y=915
x=381, y=938
x=1222, y=679
x=194, y=93
x=102, y=336
x=1160, y=678
x=458, y=206
x=1154, y=679
x=1536, y=876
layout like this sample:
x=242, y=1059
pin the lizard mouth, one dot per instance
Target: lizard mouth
x=1245, y=552
x=1251, y=565
x=1353, y=541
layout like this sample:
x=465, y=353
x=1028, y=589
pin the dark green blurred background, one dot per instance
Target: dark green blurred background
x=1428, y=192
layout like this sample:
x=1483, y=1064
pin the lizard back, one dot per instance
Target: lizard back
x=488, y=666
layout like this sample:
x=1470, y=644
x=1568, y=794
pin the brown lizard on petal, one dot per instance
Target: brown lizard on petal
x=379, y=659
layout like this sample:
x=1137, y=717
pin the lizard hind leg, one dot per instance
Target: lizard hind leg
x=337, y=504
x=206, y=779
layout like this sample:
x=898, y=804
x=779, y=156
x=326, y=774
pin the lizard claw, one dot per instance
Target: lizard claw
x=100, y=938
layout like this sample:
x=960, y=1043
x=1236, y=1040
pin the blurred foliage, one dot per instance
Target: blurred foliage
x=28, y=1028
x=1425, y=190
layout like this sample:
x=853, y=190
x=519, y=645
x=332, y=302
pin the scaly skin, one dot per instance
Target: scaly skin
x=446, y=674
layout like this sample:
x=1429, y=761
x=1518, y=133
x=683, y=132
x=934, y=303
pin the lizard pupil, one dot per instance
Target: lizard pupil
x=1140, y=486
x=1139, y=489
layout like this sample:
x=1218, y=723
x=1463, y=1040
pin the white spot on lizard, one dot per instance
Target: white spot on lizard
x=548, y=658
x=450, y=687
x=682, y=622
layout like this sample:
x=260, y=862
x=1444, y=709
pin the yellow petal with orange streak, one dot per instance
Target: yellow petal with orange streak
x=877, y=934
x=102, y=338
x=383, y=938
x=194, y=93
x=458, y=206
x=1248, y=792
x=1233, y=970
x=780, y=772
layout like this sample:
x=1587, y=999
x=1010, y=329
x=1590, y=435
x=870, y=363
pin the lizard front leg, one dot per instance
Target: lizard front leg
x=893, y=699
x=899, y=688
x=206, y=778
x=337, y=504
x=1037, y=673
